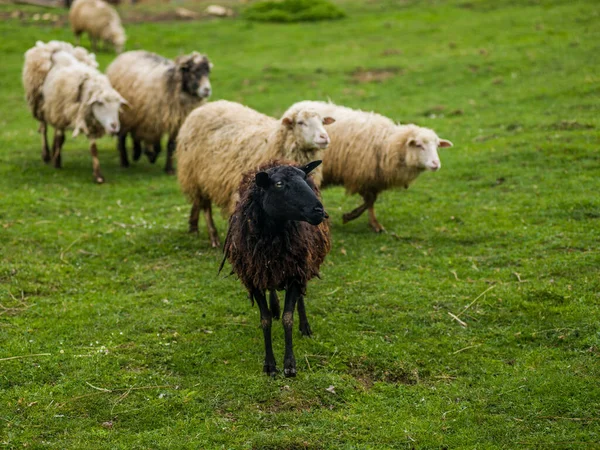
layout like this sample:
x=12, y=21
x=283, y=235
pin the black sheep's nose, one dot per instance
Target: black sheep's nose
x=319, y=209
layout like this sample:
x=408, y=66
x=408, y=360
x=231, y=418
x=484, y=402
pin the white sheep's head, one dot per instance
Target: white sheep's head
x=308, y=128
x=422, y=148
x=105, y=107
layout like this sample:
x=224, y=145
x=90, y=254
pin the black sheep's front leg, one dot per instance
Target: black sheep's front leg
x=292, y=294
x=265, y=320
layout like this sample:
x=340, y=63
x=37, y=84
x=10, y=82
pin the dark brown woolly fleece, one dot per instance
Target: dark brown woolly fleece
x=270, y=258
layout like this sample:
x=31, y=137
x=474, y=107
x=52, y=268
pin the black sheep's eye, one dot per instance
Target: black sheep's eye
x=279, y=184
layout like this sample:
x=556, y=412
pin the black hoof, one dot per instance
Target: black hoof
x=46, y=157
x=170, y=171
x=270, y=369
x=152, y=157
x=305, y=330
x=289, y=372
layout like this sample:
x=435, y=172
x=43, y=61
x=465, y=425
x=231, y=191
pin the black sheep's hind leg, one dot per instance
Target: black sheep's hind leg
x=269, y=367
x=304, y=326
x=274, y=305
x=292, y=294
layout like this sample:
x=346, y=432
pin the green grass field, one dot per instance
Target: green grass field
x=116, y=331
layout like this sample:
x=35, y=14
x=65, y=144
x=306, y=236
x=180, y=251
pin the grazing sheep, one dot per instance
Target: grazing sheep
x=220, y=141
x=370, y=153
x=161, y=93
x=277, y=240
x=79, y=97
x=99, y=20
x=38, y=62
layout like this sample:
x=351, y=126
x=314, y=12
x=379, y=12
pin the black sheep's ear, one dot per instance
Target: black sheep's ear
x=311, y=166
x=262, y=180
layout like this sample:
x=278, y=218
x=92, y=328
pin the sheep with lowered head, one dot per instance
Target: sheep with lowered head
x=220, y=141
x=370, y=153
x=161, y=93
x=78, y=97
x=38, y=62
x=277, y=240
x=99, y=20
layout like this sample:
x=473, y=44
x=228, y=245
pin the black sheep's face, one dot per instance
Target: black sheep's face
x=287, y=195
x=195, y=75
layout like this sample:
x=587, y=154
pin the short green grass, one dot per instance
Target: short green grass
x=142, y=345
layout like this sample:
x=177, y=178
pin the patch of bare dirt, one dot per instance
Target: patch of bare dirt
x=362, y=75
x=368, y=372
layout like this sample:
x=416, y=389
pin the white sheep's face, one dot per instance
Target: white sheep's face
x=308, y=128
x=423, y=150
x=107, y=113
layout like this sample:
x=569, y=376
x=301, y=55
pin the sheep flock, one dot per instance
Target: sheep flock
x=263, y=173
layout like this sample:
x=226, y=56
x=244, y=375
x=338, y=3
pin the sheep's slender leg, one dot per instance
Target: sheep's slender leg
x=45, y=149
x=59, y=140
x=212, y=230
x=94, y=44
x=170, y=151
x=194, y=215
x=274, y=305
x=153, y=154
x=137, y=148
x=266, y=319
x=304, y=326
x=122, y=146
x=77, y=33
x=377, y=227
x=369, y=201
x=355, y=213
x=291, y=297
x=98, y=178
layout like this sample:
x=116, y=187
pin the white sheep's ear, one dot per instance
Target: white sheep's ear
x=93, y=99
x=262, y=180
x=288, y=122
x=311, y=166
x=328, y=120
x=446, y=143
x=415, y=143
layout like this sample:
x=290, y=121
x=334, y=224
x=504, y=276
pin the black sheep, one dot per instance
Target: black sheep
x=277, y=240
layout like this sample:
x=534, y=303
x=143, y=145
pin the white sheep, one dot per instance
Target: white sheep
x=99, y=20
x=370, y=153
x=38, y=62
x=161, y=93
x=220, y=141
x=78, y=97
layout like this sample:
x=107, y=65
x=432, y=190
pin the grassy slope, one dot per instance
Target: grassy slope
x=122, y=297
